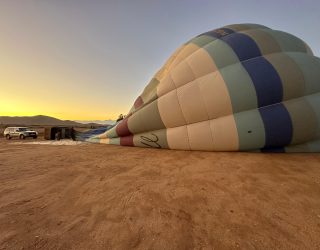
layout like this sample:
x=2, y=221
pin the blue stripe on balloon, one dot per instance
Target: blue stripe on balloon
x=266, y=81
x=265, y=78
x=243, y=45
x=277, y=124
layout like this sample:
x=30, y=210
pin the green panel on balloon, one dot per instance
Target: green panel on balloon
x=250, y=130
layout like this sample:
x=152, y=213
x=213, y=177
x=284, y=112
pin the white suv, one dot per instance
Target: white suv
x=21, y=132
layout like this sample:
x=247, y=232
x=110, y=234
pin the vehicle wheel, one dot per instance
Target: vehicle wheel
x=8, y=137
x=22, y=137
x=35, y=137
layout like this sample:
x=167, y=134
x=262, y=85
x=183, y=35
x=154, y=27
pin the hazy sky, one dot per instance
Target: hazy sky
x=89, y=59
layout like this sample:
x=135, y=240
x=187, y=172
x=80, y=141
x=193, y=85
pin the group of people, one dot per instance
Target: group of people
x=120, y=118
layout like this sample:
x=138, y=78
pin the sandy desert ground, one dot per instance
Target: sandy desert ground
x=91, y=196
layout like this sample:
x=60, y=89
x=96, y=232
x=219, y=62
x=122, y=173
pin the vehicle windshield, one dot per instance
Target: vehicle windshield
x=24, y=129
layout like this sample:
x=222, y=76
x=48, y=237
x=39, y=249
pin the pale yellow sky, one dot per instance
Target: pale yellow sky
x=56, y=61
x=25, y=92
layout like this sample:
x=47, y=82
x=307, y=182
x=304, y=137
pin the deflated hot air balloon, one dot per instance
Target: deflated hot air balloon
x=243, y=87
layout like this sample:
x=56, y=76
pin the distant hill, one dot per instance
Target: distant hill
x=40, y=120
x=103, y=122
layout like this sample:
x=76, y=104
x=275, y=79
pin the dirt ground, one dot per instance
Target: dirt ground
x=94, y=196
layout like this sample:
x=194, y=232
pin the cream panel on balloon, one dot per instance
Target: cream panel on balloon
x=175, y=59
x=224, y=134
x=165, y=85
x=150, y=92
x=200, y=137
x=185, y=52
x=170, y=110
x=171, y=61
x=182, y=74
x=192, y=103
x=178, y=138
x=215, y=95
x=201, y=63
